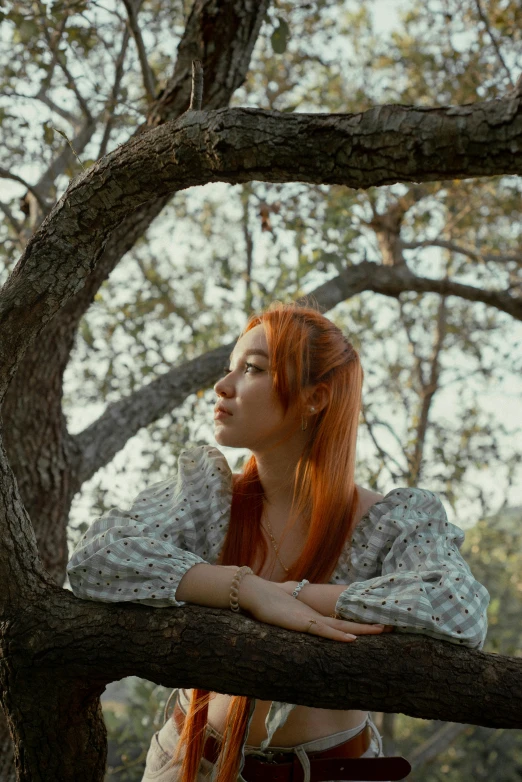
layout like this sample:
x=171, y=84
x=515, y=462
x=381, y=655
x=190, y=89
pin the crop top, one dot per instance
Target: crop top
x=402, y=566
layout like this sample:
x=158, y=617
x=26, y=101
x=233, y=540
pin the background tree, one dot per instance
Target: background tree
x=431, y=359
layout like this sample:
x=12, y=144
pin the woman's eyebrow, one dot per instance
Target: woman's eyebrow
x=253, y=352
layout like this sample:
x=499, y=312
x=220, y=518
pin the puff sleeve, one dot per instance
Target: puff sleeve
x=408, y=572
x=141, y=555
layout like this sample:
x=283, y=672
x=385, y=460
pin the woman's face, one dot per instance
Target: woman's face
x=255, y=418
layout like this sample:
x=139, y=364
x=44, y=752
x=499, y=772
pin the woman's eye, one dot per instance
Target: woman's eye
x=252, y=366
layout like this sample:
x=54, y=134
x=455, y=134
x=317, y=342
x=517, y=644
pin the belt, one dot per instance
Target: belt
x=343, y=762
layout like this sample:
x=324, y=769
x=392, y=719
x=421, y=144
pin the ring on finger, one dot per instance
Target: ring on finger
x=310, y=623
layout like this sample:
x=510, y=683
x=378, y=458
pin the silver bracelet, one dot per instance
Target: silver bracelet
x=234, y=587
x=298, y=588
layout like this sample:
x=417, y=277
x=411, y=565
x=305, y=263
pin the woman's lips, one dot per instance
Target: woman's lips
x=220, y=414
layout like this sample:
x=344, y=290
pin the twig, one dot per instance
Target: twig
x=70, y=81
x=5, y=174
x=111, y=103
x=14, y=222
x=386, y=457
x=149, y=81
x=196, y=96
x=43, y=98
x=484, y=18
x=64, y=135
x=457, y=248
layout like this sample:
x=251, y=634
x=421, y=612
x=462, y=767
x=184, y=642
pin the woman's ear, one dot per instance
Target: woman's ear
x=317, y=398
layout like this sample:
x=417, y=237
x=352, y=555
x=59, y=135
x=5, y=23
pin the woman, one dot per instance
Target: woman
x=328, y=557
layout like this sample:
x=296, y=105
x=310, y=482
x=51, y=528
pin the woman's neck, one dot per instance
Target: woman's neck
x=276, y=470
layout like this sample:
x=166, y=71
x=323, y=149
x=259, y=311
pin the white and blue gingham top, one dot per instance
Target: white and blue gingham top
x=402, y=567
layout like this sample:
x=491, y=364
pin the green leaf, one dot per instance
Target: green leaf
x=280, y=37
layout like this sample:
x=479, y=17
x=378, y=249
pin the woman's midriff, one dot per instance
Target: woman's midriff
x=303, y=724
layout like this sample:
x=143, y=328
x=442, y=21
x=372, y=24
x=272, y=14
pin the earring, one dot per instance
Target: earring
x=304, y=424
x=312, y=409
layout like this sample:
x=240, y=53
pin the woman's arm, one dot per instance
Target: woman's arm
x=209, y=585
x=320, y=597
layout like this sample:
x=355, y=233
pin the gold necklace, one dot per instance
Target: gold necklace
x=276, y=547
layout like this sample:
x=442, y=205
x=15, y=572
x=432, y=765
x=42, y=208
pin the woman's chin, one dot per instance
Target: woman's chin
x=223, y=437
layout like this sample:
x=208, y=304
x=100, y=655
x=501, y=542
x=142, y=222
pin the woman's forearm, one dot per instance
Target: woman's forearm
x=209, y=585
x=321, y=597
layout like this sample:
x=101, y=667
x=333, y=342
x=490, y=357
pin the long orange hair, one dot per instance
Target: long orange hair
x=306, y=349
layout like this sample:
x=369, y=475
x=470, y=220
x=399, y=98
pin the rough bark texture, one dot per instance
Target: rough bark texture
x=73, y=648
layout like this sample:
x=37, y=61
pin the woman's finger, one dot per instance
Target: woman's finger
x=324, y=630
x=358, y=628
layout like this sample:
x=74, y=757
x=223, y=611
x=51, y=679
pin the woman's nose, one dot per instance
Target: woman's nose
x=222, y=388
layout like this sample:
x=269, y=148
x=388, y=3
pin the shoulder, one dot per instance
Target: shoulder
x=402, y=507
x=366, y=499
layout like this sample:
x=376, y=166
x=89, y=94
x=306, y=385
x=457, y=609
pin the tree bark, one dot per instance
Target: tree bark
x=74, y=648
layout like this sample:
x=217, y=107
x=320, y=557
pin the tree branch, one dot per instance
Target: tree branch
x=5, y=174
x=53, y=46
x=239, y=145
x=408, y=673
x=385, y=457
x=22, y=577
x=14, y=222
x=43, y=98
x=428, y=392
x=105, y=437
x=485, y=20
x=149, y=81
x=475, y=255
x=111, y=103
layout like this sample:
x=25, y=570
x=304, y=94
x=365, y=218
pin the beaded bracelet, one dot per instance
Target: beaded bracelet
x=234, y=587
x=298, y=588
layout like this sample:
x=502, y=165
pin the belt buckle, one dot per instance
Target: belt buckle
x=265, y=757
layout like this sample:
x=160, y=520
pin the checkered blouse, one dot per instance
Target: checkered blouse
x=403, y=566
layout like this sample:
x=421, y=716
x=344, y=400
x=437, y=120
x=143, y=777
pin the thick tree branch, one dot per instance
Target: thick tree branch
x=236, y=25
x=22, y=577
x=406, y=673
x=149, y=82
x=239, y=145
x=368, y=276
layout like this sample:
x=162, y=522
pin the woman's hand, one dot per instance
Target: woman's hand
x=270, y=602
x=356, y=628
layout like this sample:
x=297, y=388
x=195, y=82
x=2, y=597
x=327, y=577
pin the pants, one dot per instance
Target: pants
x=158, y=766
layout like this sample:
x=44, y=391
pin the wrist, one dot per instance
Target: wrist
x=249, y=590
x=299, y=587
